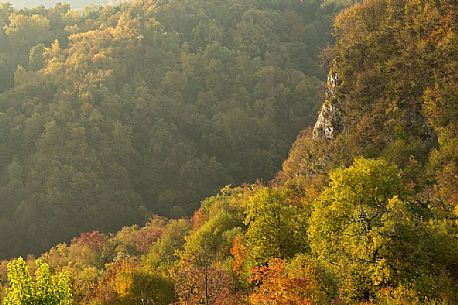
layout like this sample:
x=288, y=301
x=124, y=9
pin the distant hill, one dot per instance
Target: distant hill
x=49, y=3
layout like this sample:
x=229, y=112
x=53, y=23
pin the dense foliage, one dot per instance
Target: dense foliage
x=109, y=114
x=50, y=3
x=45, y=288
x=367, y=217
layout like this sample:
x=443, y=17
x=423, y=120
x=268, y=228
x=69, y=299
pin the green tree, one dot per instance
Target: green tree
x=373, y=240
x=276, y=227
x=346, y=221
x=36, y=57
x=44, y=288
x=27, y=31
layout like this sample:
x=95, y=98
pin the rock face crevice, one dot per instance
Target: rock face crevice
x=328, y=124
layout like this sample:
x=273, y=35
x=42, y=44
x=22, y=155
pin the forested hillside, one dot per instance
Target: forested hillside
x=364, y=210
x=109, y=115
x=50, y=3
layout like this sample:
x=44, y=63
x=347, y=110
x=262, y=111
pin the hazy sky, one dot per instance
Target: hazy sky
x=34, y=3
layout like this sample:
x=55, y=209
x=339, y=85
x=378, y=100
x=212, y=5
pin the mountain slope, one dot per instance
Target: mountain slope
x=334, y=227
x=147, y=107
x=393, y=89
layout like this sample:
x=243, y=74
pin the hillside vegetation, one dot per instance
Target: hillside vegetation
x=364, y=214
x=109, y=115
x=50, y=3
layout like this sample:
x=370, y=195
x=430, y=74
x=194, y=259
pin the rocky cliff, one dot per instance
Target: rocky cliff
x=328, y=123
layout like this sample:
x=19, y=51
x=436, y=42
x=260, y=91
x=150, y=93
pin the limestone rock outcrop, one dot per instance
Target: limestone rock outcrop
x=328, y=123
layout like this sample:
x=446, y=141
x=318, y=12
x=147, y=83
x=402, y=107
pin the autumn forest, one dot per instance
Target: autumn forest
x=229, y=152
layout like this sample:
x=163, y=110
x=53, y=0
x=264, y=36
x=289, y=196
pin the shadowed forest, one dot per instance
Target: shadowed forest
x=230, y=152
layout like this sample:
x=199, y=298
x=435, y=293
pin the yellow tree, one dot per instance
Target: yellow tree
x=44, y=288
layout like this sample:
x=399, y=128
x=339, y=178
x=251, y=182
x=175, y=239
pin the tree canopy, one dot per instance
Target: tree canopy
x=112, y=113
x=148, y=106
